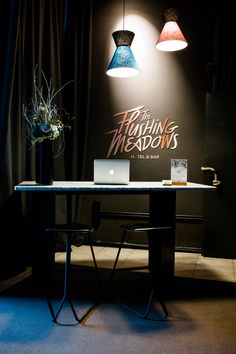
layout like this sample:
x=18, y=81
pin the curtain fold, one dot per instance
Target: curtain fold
x=52, y=35
x=222, y=49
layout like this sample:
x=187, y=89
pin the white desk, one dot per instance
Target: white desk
x=162, y=210
x=87, y=187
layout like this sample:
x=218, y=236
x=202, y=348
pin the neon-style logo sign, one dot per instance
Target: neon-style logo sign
x=136, y=131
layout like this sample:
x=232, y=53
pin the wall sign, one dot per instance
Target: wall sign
x=137, y=132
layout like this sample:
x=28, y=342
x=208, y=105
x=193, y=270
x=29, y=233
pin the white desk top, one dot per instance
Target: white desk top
x=89, y=186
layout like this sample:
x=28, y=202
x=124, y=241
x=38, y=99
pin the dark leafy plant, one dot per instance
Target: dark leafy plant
x=43, y=117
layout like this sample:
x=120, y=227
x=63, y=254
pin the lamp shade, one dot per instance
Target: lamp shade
x=171, y=38
x=123, y=63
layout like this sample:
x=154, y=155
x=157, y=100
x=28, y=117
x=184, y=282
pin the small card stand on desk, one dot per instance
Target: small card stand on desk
x=179, y=169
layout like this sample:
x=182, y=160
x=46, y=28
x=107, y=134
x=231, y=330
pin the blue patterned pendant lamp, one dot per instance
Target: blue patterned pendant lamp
x=123, y=63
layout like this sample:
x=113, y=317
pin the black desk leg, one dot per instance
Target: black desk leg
x=162, y=211
x=43, y=215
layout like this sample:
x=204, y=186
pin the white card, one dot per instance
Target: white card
x=179, y=171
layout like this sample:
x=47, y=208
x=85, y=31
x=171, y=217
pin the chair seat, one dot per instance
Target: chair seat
x=143, y=227
x=70, y=228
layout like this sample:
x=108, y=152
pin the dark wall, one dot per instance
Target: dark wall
x=171, y=87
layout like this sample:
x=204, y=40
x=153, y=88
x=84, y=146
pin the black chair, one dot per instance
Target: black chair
x=127, y=230
x=69, y=230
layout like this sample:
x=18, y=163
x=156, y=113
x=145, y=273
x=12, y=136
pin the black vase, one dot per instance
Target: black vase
x=44, y=163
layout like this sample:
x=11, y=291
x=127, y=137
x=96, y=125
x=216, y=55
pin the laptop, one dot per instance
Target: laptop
x=111, y=171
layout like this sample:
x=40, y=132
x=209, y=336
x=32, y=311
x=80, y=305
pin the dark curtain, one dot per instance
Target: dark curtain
x=221, y=48
x=55, y=37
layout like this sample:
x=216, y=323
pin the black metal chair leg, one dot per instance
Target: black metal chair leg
x=164, y=307
x=65, y=297
x=66, y=293
x=152, y=294
x=95, y=265
x=128, y=307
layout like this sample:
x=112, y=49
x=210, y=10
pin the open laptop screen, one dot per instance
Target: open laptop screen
x=111, y=171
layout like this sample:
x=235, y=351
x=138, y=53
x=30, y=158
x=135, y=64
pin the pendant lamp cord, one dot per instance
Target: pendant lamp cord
x=123, y=14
